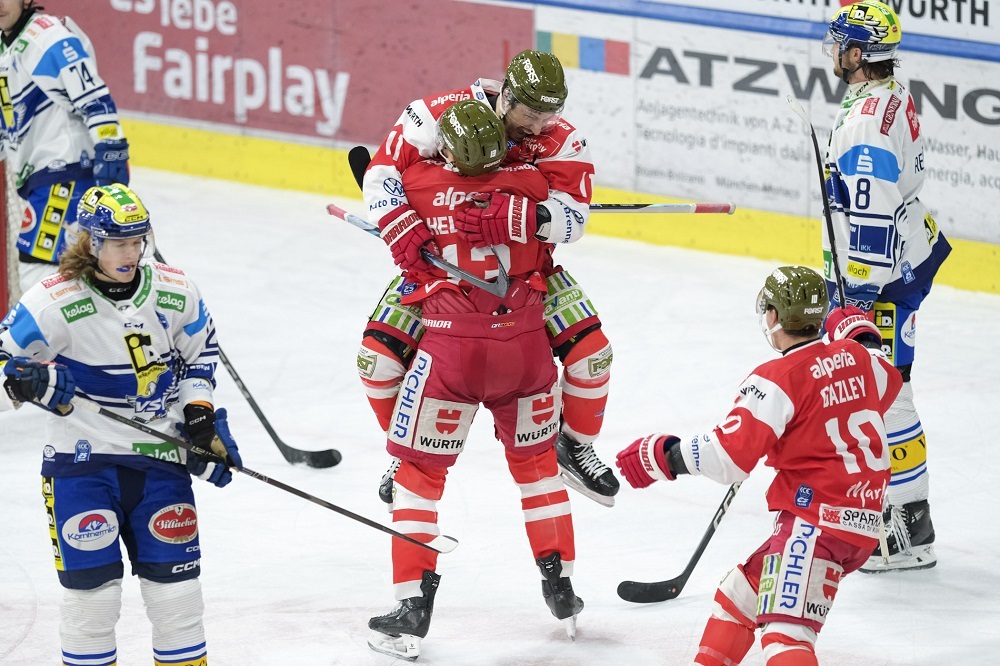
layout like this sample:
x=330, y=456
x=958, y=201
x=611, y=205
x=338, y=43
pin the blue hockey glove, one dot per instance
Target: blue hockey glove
x=215, y=469
x=48, y=385
x=111, y=162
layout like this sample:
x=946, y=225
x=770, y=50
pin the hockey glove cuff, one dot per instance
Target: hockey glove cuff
x=48, y=385
x=225, y=454
x=852, y=323
x=645, y=460
x=199, y=424
x=497, y=219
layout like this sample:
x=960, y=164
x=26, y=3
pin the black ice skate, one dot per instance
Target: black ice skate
x=584, y=472
x=558, y=593
x=398, y=633
x=387, y=487
x=910, y=537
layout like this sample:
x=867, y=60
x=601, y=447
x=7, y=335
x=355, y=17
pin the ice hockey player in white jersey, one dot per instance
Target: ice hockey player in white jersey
x=59, y=130
x=136, y=338
x=889, y=246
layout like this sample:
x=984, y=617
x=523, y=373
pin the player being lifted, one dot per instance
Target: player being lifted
x=135, y=337
x=529, y=100
x=477, y=349
x=888, y=244
x=816, y=414
x=60, y=131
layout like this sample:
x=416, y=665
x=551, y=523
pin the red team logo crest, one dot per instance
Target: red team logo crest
x=542, y=409
x=832, y=583
x=448, y=421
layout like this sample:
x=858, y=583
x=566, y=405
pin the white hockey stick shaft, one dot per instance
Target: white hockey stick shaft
x=727, y=208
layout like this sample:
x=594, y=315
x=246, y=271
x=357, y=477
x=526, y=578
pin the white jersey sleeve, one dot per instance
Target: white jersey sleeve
x=56, y=106
x=144, y=358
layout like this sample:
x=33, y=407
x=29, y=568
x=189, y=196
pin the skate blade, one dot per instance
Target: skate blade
x=404, y=646
x=570, y=625
x=922, y=557
x=577, y=485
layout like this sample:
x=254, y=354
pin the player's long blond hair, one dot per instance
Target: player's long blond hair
x=77, y=260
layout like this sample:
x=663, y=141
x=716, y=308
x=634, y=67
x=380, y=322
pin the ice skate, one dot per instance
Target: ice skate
x=399, y=632
x=910, y=537
x=387, y=486
x=558, y=593
x=584, y=472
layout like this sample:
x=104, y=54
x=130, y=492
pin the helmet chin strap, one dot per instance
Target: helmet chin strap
x=769, y=331
x=845, y=73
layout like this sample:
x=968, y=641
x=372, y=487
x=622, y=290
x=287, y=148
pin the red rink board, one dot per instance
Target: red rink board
x=341, y=71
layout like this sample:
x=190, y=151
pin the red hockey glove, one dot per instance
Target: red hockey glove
x=645, y=460
x=853, y=323
x=406, y=234
x=496, y=219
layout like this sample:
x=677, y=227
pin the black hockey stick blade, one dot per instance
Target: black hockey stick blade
x=318, y=459
x=359, y=158
x=650, y=593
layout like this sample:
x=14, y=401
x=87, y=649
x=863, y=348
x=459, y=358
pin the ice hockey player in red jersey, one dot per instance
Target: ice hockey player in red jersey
x=530, y=100
x=477, y=349
x=817, y=415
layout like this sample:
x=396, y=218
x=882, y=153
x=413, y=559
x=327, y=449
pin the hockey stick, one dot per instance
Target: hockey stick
x=801, y=113
x=440, y=544
x=647, y=593
x=727, y=208
x=498, y=287
x=317, y=459
x=358, y=158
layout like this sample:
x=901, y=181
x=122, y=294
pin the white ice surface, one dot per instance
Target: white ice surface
x=288, y=582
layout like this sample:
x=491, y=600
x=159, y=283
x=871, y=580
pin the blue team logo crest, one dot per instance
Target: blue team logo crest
x=82, y=451
x=393, y=187
x=804, y=496
x=407, y=288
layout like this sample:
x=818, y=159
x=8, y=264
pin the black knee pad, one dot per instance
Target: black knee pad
x=400, y=349
x=562, y=351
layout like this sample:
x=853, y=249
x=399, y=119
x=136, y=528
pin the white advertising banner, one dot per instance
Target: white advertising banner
x=700, y=111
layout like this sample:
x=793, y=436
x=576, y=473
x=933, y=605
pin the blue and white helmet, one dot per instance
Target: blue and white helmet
x=112, y=211
x=871, y=26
